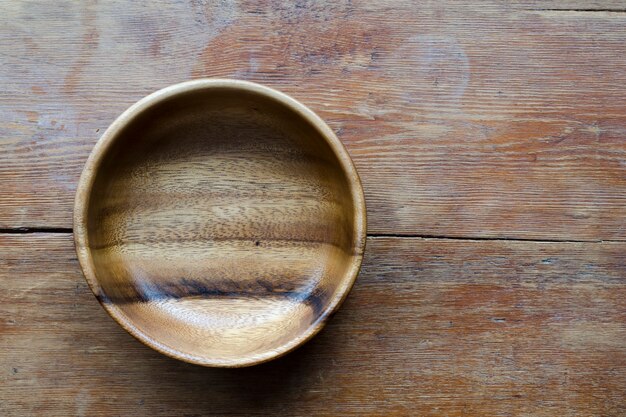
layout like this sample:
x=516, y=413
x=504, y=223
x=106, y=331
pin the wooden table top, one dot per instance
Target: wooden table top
x=491, y=141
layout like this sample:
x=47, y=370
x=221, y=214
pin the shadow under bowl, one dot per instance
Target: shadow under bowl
x=220, y=222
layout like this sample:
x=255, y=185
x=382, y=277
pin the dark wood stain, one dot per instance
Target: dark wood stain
x=181, y=288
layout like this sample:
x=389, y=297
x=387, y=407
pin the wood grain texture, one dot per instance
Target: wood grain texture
x=464, y=118
x=220, y=222
x=491, y=119
x=431, y=327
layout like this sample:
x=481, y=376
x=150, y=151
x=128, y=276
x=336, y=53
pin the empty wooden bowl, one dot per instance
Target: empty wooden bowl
x=220, y=222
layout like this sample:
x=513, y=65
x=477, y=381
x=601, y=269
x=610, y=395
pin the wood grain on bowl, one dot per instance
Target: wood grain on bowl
x=220, y=222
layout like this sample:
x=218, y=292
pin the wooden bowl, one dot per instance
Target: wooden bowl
x=220, y=222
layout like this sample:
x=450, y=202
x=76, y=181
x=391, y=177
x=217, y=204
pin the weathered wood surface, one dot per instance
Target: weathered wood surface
x=432, y=327
x=492, y=119
x=464, y=118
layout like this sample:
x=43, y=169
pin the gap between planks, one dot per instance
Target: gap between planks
x=580, y=10
x=31, y=230
x=68, y=230
x=488, y=238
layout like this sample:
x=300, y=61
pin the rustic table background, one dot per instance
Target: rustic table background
x=491, y=140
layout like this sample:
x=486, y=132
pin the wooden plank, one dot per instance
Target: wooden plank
x=464, y=118
x=432, y=327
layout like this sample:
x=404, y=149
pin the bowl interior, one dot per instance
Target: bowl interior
x=222, y=226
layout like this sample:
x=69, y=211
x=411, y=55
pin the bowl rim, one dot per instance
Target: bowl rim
x=103, y=145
